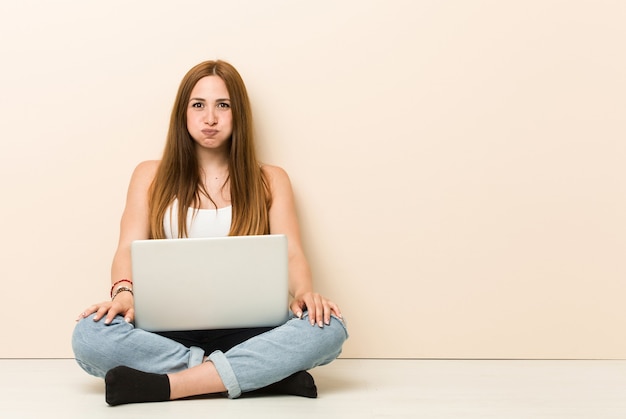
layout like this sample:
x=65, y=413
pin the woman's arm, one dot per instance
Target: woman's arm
x=283, y=220
x=134, y=225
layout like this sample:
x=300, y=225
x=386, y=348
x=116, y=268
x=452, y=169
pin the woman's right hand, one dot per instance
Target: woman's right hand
x=123, y=304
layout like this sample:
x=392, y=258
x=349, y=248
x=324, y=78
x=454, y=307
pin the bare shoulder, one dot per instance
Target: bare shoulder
x=145, y=171
x=147, y=168
x=275, y=174
x=142, y=177
x=280, y=186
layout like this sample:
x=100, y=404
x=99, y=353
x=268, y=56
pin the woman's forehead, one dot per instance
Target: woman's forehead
x=210, y=87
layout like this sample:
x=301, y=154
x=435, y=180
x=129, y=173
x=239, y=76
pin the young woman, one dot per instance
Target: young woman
x=208, y=183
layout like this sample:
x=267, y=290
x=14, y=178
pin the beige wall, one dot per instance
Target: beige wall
x=458, y=165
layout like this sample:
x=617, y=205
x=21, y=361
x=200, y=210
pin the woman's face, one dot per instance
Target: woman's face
x=209, y=115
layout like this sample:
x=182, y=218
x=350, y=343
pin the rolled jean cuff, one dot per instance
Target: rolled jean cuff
x=196, y=356
x=226, y=373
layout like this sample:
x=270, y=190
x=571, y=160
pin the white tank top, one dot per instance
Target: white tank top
x=200, y=222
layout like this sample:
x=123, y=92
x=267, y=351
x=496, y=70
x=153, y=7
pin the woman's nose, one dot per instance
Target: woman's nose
x=211, y=118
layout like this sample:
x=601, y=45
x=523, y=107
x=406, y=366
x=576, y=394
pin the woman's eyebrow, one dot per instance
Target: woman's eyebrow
x=199, y=99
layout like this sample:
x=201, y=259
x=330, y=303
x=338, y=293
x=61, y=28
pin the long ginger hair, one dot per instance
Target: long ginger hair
x=179, y=173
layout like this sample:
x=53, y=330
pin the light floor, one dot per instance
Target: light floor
x=348, y=389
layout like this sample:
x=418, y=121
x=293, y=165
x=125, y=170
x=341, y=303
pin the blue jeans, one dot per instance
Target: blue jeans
x=255, y=363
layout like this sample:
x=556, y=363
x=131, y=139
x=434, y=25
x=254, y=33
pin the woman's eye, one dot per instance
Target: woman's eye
x=223, y=105
x=197, y=105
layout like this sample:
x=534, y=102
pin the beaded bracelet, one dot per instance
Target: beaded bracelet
x=121, y=289
x=119, y=282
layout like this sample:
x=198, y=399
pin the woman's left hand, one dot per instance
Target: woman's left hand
x=319, y=308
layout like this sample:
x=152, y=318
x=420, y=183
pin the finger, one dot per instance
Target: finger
x=323, y=317
x=102, y=310
x=307, y=303
x=335, y=309
x=313, y=306
x=111, y=313
x=328, y=309
x=296, y=308
x=97, y=310
x=320, y=307
x=88, y=311
x=130, y=315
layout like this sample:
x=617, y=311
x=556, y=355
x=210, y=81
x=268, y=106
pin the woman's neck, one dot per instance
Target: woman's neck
x=213, y=163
